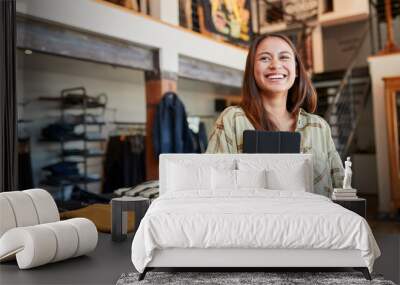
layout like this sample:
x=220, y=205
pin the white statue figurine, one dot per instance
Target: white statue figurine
x=347, y=174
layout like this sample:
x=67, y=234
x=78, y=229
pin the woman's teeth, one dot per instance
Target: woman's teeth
x=276, y=76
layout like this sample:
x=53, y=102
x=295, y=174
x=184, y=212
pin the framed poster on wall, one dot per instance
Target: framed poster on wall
x=228, y=18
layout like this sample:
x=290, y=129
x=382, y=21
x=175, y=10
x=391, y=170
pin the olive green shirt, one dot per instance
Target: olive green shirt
x=316, y=139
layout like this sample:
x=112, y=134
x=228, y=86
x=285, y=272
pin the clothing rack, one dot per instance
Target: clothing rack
x=128, y=123
x=125, y=156
x=128, y=128
x=203, y=116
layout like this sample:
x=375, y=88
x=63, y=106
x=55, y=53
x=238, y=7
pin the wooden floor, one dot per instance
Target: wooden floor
x=389, y=225
x=387, y=234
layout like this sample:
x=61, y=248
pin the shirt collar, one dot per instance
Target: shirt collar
x=301, y=119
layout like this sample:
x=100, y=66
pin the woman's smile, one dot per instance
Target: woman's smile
x=276, y=77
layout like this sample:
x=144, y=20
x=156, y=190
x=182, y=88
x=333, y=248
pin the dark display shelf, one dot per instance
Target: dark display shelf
x=84, y=155
x=63, y=131
x=66, y=105
x=73, y=140
x=65, y=181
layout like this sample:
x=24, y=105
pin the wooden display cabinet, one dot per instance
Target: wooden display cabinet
x=392, y=106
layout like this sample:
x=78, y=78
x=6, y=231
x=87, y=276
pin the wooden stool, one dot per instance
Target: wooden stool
x=119, y=217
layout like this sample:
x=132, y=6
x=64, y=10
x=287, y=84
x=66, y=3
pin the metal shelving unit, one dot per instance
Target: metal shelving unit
x=77, y=99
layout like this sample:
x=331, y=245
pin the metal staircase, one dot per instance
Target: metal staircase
x=341, y=103
x=346, y=106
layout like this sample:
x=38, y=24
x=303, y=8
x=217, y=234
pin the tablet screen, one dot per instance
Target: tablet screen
x=271, y=142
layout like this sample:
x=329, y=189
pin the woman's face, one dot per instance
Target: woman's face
x=274, y=66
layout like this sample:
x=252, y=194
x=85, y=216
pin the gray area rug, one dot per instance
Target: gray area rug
x=228, y=278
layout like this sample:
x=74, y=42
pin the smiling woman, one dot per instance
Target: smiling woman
x=277, y=95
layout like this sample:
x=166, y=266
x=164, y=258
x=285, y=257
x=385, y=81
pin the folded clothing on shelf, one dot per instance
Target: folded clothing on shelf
x=148, y=189
x=58, y=180
x=89, y=197
x=88, y=152
x=94, y=136
x=59, y=131
x=62, y=131
x=63, y=168
x=82, y=119
x=72, y=99
x=67, y=172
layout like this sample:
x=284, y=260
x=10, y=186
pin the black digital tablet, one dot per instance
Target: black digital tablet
x=271, y=142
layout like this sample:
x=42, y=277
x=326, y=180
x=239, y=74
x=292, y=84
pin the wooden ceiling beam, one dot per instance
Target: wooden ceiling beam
x=63, y=41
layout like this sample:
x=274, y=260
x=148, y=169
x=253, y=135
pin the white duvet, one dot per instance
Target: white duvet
x=251, y=218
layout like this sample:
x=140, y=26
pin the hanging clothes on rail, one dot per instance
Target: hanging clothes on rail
x=124, y=163
x=202, y=137
x=198, y=134
x=171, y=132
x=199, y=138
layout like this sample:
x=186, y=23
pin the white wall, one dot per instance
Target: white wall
x=344, y=11
x=364, y=173
x=167, y=11
x=396, y=31
x=382, y=66
x=365, y=132
x=199, y=96
x=364, y=157
x=341, y=41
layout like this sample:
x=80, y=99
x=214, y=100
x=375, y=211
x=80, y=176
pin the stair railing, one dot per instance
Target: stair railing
x=343, y=108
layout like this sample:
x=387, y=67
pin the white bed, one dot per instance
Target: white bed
x=226, y=226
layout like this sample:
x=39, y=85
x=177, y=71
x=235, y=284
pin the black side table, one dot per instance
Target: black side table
x=357, y=205
x=119, y=216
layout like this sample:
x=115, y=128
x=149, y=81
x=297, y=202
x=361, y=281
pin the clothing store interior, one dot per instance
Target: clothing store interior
x=96, y=93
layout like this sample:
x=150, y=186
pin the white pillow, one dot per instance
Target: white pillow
x=228, y=179
x=294, y=178
x=251, y=178
x=223, y=179
x=182, y=177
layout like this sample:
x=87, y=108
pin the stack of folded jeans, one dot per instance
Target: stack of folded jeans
x=61, y=173
x=82, y=152
x=63, y=168
x=82, y=119
x=64, y=131
x=67, y=172
x=60, y=132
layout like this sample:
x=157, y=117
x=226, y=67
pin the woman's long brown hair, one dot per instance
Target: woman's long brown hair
x=301, y=94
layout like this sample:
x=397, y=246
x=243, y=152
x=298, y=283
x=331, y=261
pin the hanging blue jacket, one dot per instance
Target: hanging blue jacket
x=171, y=130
